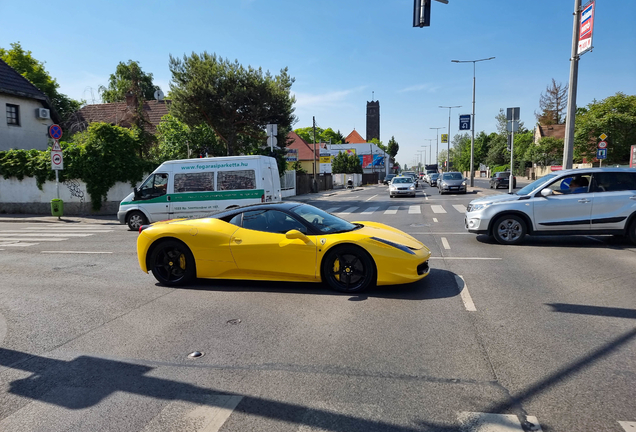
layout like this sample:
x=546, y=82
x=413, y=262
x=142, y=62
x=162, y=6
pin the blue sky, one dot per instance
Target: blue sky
x=342, y=51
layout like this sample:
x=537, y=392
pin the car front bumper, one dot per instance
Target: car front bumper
x=475, y=223
x=447, y=188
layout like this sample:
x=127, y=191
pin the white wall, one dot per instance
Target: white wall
x=32, y=132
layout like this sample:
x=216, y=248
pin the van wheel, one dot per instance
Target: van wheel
x=135, y=220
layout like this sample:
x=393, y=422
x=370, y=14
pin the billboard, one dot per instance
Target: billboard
x=370, y=161
x=325, y=161
x=632, y=158
x=586, y=28
x=292, y=155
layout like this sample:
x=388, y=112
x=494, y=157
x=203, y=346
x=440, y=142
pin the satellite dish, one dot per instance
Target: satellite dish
x=159, y=95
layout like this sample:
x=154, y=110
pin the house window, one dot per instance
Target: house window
x=13, y=115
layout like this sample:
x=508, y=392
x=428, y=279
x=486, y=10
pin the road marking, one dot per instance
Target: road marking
x=56, y=230
x=33, y=239
x=372, y=197
x=488, y=422
x=194, y=413
x=370, y=210
x=445, y=243
x=465, y=258
x=435, y=220
x=628, y=426
x=348, y=210
x=438, y=209
x=74, y=252
x=18, y=244
x=332, y=209
x=460, y=208
x=464, y=294
x=426, y=196
x=440, y=233
x=392, y=210
x=28, y=234
x=415, y=210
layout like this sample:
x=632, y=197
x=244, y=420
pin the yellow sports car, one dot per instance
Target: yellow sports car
x=286, y=241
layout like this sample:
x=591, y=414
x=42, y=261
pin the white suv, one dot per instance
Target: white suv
x=580, y=202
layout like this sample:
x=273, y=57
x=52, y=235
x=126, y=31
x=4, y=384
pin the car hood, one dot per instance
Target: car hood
x=504, y=197
x=385, y=232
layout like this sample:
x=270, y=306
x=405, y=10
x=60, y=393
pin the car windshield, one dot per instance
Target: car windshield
x=324, y=222
x=434, y=176
x=452, y=176
x=403, y=180
x=535, y=184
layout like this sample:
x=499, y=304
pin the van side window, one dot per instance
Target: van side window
x=194, y=182
x=236, y=180
x=155, y=186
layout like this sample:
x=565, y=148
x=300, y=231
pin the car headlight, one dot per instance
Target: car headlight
x=480, y=206
x=463, y=183
x=412, y=187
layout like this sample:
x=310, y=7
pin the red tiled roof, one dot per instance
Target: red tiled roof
x=305, y=150
x=120, y=114
x=354, y=138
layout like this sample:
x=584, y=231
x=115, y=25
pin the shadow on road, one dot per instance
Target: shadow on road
x=572, y=241
x=593, y=310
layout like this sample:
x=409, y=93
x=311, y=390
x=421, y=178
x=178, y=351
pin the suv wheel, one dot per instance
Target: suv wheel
x=631, y=232
x=509, y=230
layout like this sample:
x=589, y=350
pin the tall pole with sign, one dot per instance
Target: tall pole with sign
x=449, y=135
x=512, y=124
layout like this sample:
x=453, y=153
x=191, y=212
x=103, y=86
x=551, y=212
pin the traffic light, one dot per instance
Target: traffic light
x=421, y=13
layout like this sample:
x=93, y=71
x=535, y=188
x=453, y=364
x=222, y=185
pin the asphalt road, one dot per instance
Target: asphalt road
x=511, y=338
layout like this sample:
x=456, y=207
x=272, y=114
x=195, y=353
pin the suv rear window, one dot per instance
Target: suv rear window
x=614, y=181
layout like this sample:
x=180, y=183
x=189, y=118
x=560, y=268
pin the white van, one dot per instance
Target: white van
x=189, y=188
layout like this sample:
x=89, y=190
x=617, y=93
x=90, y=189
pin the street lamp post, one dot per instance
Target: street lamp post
x=437, y=140
x=449, y=136
x=472, y=139
x=430, y=149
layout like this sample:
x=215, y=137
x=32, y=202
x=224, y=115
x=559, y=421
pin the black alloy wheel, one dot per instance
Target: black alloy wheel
x=172, y=263
x=135, y=219
x=509, y=230
x=348, y=269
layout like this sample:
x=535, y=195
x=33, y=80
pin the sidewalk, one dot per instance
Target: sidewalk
x=64, y=220
x=327, y=193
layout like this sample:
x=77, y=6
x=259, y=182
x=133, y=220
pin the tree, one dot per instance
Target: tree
x=33, y=70
x=322, y=135
x=347, y=164
x=176, y=140
x=236, y=101
x=127, y=76
x=393, y=147
x=614, y=116
x=546, y=152
x=553, y=104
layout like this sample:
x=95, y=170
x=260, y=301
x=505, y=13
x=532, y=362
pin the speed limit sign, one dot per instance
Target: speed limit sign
x=602, y=144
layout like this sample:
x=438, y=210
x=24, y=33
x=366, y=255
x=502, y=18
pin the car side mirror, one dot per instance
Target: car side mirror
x=135, y=194
x=546, y=192
x=296, y=235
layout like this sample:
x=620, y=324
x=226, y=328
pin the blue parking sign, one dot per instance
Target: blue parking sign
x=464, y=122
x=601, y=153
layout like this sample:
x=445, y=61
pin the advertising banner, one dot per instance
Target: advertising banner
x=586, y=29
x=632, y=159
x=292, y=155
x=325, y=161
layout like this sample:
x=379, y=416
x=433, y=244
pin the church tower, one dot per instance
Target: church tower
x=373, y=120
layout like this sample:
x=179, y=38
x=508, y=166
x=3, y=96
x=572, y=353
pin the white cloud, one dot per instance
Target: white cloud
x=324, y=100
x=430, y=88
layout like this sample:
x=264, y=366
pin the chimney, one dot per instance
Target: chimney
x=131, y=100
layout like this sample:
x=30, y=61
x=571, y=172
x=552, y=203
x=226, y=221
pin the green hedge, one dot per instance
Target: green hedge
x=101, y=156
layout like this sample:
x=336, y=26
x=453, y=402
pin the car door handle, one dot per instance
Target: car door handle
x=584, y=200
x=237, y=240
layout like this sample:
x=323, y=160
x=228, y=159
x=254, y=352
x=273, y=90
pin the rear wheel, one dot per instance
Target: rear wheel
x=172, y=263
x=631, y=232
x=136, y=219
x=509, y=230
x=348, y=269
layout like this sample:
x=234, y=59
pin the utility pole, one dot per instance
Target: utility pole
x=315, y=176
x=568, y=144
x=449, y=136
x=437, y=141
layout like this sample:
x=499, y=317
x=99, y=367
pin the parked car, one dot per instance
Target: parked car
x=433, y=179
x=451, y=182
x=502, y=179
x=576, y=202
x=278, y=242
x=388, y=178
x=402, y=185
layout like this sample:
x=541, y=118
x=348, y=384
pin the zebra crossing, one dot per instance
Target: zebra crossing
x=36, y=234
x=393, y=210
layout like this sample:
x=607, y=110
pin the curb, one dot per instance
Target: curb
x=109, y=220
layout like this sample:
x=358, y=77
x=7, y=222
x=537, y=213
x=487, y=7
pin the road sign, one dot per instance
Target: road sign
x=512, y=113
x=57, y=160
x=55, y=132
x=272, y=129
x=512, y=126
x=271, y=141
x=444, y=138
x=602, y=145
x=603, y=136
x=601, y=154
x=56, y=146
x=464, y=122
x=586, y=29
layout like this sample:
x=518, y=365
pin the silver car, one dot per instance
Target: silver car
x=451, y=182
x=578, y=202
x=403, y=185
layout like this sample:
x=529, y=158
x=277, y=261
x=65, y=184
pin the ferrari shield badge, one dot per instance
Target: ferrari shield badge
x=323, y=241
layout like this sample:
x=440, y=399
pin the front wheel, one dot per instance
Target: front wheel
x=172, y=263
x=135, y=220
x=348, y=269
x=509, y=230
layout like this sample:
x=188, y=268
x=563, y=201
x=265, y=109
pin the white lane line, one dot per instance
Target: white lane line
x=628, y=426
x=440, y=233
x=392, y=210
x=372, y=197
x=465, y=258
x=348, y=210
x=28, y=234
x=460, y=208
x=438, y=209
x=489, y=422
x=74, y=252
x=464, y=294
x=435, y=220
x=18, y=244
x=32, y=239
x=445, y=243
x=332, y=209
x=55, y=230
x=207, y=414
x=426, y=196
x=370, y=210
x=415, y=210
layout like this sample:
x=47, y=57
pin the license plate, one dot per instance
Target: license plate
x=454, y=187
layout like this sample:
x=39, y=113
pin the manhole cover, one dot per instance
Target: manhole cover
x=234, y=321
x=195, y=354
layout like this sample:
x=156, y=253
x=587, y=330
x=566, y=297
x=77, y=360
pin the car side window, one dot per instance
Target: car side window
x=272, y=221
x=236, y=220
x=574, y=184
x=155, y=186
x=614, y=181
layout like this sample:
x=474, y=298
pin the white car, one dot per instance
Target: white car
x=403, y=185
